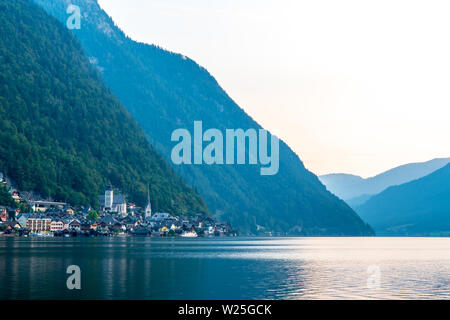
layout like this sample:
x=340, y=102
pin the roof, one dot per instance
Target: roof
x=25, y=215
x=117, y=199
x=12, y=223
x=87, y=210
x=108, y=220
x=161, y=216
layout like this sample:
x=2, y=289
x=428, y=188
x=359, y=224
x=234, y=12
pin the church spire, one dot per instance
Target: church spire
x=148, y=209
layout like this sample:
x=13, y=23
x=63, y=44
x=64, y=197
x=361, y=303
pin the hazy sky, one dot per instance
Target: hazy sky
x=352, y=86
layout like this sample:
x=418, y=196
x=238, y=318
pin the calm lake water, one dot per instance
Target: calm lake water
x=236, y=268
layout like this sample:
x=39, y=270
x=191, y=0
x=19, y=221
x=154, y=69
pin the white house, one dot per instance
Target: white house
x=56, y=225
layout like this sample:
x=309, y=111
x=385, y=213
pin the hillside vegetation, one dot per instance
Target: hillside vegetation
x=62, y=132
x=165, y=91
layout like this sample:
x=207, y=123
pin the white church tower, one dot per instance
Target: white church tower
x=148, y=208
x=109, y=198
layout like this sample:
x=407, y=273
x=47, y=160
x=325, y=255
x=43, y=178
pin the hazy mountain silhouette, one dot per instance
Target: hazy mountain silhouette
x=417, y=208
x=165, y=91
x=356, y=190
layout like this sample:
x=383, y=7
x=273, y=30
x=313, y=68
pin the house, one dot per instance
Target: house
x=4, y=210
x=164, y=229
x=38, y=225
x=75, y=224
x=188, y=226
x=118, y=225
x=56, y=225
x=3, y=215
x=130, y=222
x=43, y=206
x=114, y=203
x=161, y=216
x=175, y=227
x=210, y=231
x=15, y=195
x=133, y=209
x=66, y=222
x=70, y=211
x=85, y=226
x=85, y=211
x=23, y=217
x=54, y=213
x=13, y=225
x=107, y=221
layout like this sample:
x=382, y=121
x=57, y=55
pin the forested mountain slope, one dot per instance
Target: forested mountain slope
x=62, y=132
x=165, y=91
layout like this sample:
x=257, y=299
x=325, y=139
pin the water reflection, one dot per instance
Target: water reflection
x=281, y=268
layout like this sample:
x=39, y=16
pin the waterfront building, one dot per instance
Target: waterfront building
x=23, y=217
x=37, y=225
x=56, y=225
x=75, y=224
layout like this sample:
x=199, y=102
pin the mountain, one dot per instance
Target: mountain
x=62, y=132
x=417, y=208
x=356, y=190
x=165, y=91
x=357, y=201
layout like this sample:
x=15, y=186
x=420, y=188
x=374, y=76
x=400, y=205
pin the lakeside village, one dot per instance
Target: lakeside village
x=115, y=218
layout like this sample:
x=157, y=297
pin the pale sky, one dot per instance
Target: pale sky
x=352, y=86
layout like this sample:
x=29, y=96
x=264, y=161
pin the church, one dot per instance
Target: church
x=148, y=208
x=114, y=203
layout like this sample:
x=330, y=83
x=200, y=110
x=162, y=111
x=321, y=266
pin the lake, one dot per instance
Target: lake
x=226, y=268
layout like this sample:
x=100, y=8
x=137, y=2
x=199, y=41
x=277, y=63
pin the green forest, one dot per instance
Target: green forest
x=63, y=133
x=165, y=91
x=5, y=198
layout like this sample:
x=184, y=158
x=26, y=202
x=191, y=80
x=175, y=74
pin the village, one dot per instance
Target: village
x=116, y=218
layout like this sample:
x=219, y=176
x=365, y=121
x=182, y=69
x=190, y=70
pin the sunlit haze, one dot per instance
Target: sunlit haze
x=352, y=86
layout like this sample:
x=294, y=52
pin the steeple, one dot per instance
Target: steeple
x=148, y=209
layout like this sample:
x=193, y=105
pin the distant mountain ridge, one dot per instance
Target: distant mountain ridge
x=355, y=189
x=165, y=91
x=62, y=132
x=417, y=208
